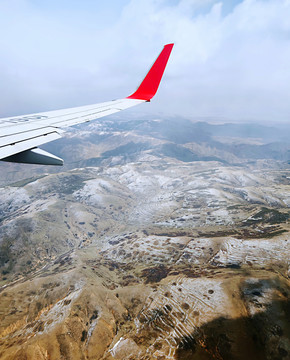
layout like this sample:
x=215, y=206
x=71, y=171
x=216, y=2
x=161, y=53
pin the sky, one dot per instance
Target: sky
x=230, y=61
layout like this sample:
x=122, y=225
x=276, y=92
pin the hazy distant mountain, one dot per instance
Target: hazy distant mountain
x=174, y=138
x=181, y=139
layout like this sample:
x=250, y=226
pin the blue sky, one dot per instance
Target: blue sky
x=230, y=61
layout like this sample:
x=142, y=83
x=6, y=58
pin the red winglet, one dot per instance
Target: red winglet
x=149, y=85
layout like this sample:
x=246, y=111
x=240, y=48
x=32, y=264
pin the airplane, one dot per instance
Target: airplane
x=20, y=136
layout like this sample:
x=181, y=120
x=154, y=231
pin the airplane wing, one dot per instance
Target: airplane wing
x=20, y=136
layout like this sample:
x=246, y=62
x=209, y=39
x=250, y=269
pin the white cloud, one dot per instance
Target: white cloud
x=231, y=58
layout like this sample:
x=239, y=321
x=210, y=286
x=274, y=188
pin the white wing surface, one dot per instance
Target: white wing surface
x=20, y=136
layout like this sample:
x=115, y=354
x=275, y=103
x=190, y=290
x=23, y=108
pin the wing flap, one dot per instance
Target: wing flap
x=15, y=148
x=35, y=156
x=26, y=135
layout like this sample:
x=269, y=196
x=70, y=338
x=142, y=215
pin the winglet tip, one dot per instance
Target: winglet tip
x=150, y=84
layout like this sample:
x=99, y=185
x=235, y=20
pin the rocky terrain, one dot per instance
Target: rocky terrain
x=153, y=242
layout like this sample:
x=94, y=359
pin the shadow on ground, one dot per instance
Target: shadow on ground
x=266, y=335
